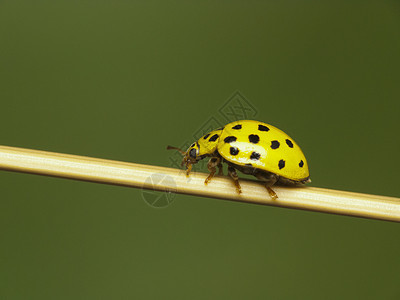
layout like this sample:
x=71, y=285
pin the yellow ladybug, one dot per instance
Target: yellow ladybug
x=253, y=148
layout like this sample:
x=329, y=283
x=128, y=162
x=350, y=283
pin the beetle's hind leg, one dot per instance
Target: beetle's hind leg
x=269, y=180
x=271, y=192
x=232, y=173
x=212, y=164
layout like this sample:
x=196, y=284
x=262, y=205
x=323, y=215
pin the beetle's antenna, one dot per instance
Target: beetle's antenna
x=176, y=148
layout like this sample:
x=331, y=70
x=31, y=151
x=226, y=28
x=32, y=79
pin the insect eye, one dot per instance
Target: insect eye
x=192, y=153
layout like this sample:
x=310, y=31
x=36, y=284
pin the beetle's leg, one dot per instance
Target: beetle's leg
x=188, y=169
x=212, y=163
x=220, y=169
x=271, y=192
x=269, y=180
x=234, y=176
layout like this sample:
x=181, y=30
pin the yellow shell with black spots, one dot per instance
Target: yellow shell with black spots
x=255, y=144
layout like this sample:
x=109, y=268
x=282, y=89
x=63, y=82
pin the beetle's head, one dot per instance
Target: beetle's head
x=190, y=157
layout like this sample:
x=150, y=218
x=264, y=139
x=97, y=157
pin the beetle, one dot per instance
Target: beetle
x=253, y=148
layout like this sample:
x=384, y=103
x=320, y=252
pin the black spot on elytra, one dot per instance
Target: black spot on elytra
x=289, y=143
x=230, y=139
x=206, y=136
x=238, y=126
x=254, y=138
x=234, y=151
x=255, y=156
x=281, y=164
x=192, y=153
x=213, y=138
x=192, y=145
x=301, y=163
x=275, y=145
x=263, y=128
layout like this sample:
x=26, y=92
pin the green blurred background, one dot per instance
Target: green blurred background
x=123, y=79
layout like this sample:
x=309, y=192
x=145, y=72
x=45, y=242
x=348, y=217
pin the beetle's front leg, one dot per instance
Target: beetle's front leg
x=188, y=168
